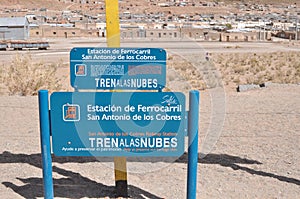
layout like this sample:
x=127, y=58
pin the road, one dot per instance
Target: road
x=60, y=48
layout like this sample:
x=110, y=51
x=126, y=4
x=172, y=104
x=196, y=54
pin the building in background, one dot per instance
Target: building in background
x=14, y=28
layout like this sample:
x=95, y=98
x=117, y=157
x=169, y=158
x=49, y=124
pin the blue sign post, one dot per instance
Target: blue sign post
x=118, y=68
x=118, y=124
x=45, y=144
x=193, y=119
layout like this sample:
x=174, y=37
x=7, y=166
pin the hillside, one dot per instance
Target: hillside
x=31, y=4
x=132, y=5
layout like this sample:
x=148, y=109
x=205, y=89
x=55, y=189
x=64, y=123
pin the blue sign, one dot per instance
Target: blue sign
x=118, y=124
x=118, y=68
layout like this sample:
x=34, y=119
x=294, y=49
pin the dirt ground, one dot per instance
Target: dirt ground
x=256, y=155
x=248, y=148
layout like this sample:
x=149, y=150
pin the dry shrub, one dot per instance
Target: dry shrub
x=24, y=77
x=257, y=68
x=185, y=71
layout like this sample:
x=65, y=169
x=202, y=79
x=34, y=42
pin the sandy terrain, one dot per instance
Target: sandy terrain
x=249, y=148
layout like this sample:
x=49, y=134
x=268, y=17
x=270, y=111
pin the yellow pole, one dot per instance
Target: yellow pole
x=113, y=40
x=112, y=23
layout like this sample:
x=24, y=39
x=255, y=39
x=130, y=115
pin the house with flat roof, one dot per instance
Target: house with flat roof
x=14, y=28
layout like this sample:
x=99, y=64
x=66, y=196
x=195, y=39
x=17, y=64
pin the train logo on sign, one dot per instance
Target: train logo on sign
x=71, y=113
x=80, y=70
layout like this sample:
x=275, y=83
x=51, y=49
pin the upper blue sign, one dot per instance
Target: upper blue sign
x=118, y=68
x=118, y=123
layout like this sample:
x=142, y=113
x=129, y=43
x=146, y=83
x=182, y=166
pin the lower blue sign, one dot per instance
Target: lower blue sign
x=118, y=123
